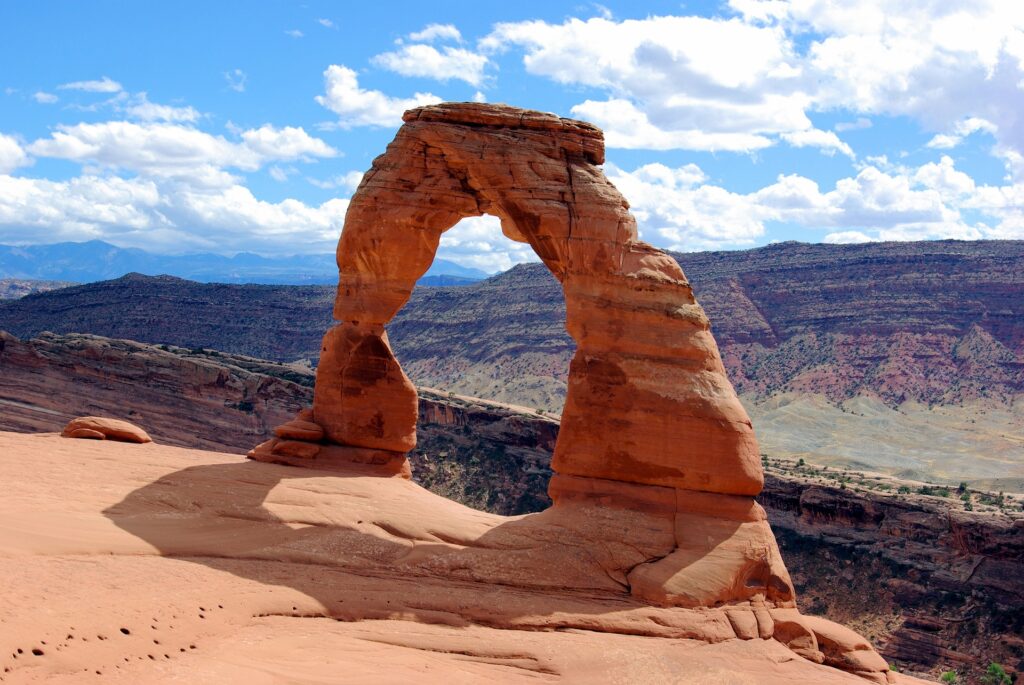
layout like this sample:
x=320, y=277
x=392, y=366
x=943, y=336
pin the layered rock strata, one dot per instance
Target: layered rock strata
x=656, y=463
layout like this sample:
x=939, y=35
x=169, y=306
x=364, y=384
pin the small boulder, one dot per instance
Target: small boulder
x=100, y=428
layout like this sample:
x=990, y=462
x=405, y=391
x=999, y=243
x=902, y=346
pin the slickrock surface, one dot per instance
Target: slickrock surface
x=201, y=567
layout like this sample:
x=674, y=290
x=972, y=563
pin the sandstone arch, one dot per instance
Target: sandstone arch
x=656, y=464
x=648, y=399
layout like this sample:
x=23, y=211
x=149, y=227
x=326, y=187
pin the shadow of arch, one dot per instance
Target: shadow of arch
x=365, y=547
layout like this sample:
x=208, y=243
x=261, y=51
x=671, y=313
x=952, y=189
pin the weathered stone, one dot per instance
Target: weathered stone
x=111, y=429
x=656, y=462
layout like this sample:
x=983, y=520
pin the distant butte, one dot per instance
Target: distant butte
x=656, y=465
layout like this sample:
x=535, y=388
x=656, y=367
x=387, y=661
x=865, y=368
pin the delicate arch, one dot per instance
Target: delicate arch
x=648, y=399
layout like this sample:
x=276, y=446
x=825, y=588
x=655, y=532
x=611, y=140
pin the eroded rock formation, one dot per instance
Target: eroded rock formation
x=104, y=428
x=656, y=462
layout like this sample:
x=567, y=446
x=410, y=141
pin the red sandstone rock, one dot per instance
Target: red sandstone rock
x=85, y=434
x=110, y=429
x=363, y=398
x=297, y=429
x=656, y=462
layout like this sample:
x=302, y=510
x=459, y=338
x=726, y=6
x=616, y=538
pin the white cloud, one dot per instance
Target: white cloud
x=104, y=85
x=12, y=155
x=327, y=23
x=763, y=72
x=236, y=79
x=681, y=209
x=686, y=82
x=163, y=149
x=858, y=124
x=478, y=242
x=626, y=126
x=44, y=98
x=434, y=32
x=348, y=181
x=847, y=238
x=281, y=174
x=142, y=108
x=358, y=107
x=163, y=215
x=426, y=61
x=962, y=129
x=290, y=142
x=294, y=33
x=479, y=96
x=827, y=141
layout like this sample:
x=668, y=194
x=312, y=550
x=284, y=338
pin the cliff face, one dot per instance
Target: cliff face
x=932, y=322
x=933, y=585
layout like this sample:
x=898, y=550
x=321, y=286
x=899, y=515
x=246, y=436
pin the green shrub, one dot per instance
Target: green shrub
x=949, y=677
x=995, y=674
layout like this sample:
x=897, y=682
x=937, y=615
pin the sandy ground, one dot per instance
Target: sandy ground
x=154, y=564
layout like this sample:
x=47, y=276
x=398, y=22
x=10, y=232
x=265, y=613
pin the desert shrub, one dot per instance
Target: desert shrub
x=903, y=490
x=995, y=674
x=949, y=677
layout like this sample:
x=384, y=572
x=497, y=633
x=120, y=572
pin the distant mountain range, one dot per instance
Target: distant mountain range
x=902, y=357
x=935, y=323
x=96, y=260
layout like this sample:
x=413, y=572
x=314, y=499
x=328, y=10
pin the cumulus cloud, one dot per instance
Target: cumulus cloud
x=961, y=130
x=294, y=33
x=688, y=82
x=141, y=108
x=478, y=242
x=348, y=181
x=44, y=98
x=827, y=141
x=103, y=85
x=326, y=23
x=164, y=149
x=762, y=72
x=858, y=124
x=12, y=155
x=426, y=61
x=434, y=32
x=680, y=208
x=356, y=106
x=162, y=214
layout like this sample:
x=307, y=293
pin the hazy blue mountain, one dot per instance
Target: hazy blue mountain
x=96, y=260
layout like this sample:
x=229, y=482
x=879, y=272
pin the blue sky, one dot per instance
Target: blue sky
x=229, y=127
